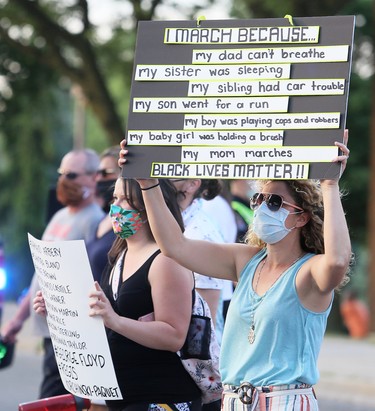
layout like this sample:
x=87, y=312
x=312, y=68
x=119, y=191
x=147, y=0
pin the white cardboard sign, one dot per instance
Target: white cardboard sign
x=79, y=341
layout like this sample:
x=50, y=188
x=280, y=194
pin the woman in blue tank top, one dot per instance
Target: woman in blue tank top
x=297, y=252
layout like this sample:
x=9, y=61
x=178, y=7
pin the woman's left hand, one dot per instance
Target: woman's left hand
x=39, y=304
x=100, y=305
x=342, y=158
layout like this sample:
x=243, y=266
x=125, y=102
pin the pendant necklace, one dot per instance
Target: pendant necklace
x=251, y=335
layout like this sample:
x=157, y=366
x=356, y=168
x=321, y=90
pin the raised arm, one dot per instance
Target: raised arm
x=10, y=330
x=207, y=258
x=214, y=260
x=329, y=269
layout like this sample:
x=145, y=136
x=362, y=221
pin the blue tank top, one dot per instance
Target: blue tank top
x=288, y=336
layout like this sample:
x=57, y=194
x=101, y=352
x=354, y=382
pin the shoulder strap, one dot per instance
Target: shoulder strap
x=117, y=270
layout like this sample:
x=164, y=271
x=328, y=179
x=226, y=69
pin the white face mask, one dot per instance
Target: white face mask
x=269, y=225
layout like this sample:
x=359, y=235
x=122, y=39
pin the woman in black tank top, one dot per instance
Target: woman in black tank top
x=145, y=300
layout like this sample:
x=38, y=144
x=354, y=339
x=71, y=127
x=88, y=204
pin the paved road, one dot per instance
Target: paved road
x=20, y=382
x=347, y=375
x=347, y=369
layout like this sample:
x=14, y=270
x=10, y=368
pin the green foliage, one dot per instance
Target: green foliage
x=356, y=177
x=119, y=70
x=296, y=8
x=36, y=122
x=355, y=180
x=34, y=133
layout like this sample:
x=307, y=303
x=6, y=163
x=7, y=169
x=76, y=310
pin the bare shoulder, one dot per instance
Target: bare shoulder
x=166, y=268
x=243, y=253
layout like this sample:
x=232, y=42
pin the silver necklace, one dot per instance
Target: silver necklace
x=251, y=335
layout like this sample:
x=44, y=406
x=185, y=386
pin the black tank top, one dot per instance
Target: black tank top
x=144, y=374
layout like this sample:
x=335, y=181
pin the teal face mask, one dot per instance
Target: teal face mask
x=125, y=223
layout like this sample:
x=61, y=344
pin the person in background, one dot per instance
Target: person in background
x=286, y=272
x=145, y=300
x=220, y=210
x=199, y=225
x=241, y=193
x=355, y=315
x=99, y=245
x=77, y=220
x=106, y=177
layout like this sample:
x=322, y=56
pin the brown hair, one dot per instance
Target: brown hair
x=307, y=194
x=209, y=189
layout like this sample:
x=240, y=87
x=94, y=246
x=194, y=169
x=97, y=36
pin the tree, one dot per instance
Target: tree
x=77, y=55
x=297, y=8
x=43, y=56
x=371, y=210
x=30, y=142
x=71, y=55
x=39, y=61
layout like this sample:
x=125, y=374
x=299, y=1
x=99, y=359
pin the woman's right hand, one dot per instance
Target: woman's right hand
x=123, y=153
x=143, y=182
x=39, y=304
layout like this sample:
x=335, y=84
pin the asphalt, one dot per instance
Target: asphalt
x=347, y=372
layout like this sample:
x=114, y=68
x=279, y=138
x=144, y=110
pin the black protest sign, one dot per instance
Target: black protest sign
x=262, y=98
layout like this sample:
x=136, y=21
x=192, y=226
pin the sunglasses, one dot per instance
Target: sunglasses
x=273, y=201
x=105, y=172
x=70, y=175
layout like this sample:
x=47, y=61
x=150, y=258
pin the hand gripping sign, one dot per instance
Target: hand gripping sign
x=79, y=341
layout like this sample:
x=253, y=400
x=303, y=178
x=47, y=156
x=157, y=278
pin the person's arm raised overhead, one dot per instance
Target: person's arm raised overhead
x=332, y=267
x=327, y=271
x=211, y=259
x=207, y=258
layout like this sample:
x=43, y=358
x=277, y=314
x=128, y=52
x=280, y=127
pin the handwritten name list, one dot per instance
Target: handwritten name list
x=79, y=341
